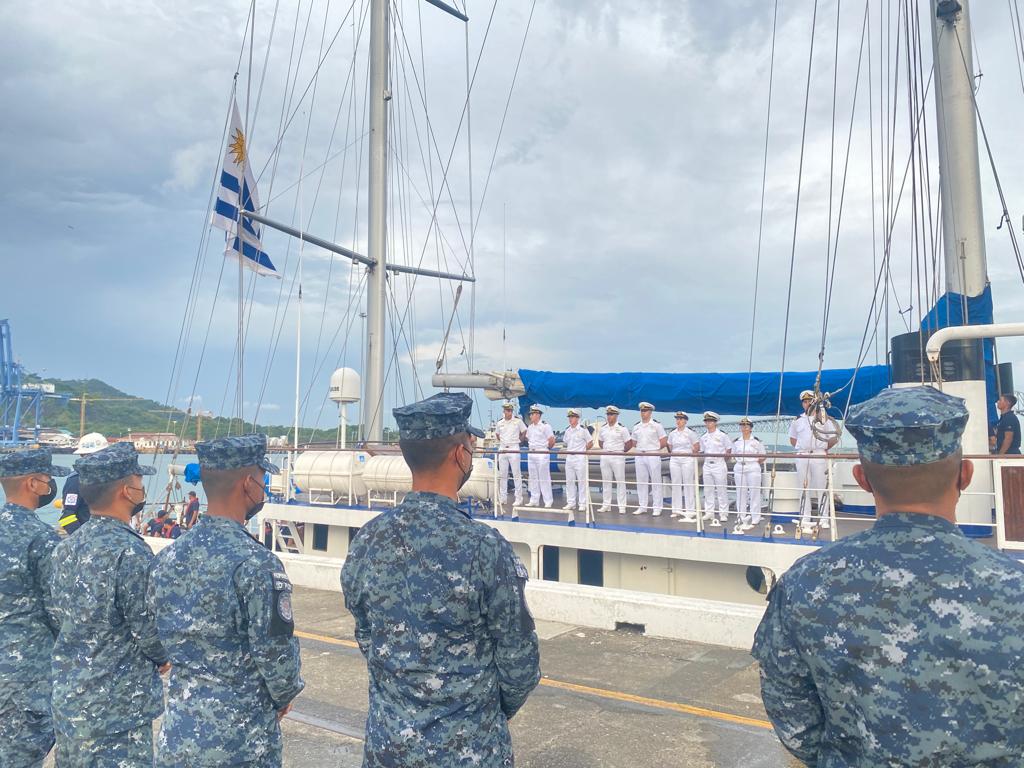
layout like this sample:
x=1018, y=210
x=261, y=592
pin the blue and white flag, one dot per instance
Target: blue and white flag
x=237, y=190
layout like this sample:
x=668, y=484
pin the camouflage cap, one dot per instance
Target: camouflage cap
x=235, y=453
x=909, y=425
x=442, y=415
x=113, y=463
x=31, y=461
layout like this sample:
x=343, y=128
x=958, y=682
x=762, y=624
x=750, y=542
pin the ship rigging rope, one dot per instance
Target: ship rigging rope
x=764, y=186
x=1018, y=38
x=796, y=219
x=992, y=162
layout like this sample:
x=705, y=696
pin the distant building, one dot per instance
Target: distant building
x=159, y=442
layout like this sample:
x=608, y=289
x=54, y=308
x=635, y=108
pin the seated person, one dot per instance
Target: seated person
x=162, y=526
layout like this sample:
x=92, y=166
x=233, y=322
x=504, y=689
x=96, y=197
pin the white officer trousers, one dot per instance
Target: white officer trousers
x=716, y=493
x=508, y=463
x=575, y=481
x=648, y=482
x=613, y=468
x=748, y=492
x=540, y=479
x=810, y=482
x=681, y=470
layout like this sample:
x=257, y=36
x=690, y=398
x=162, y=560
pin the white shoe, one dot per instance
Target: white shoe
x=532, y=503
x=518, y=502
x=622, y=510
x=604, y=509
x=688, y=519
x=549, y=505
x=656, y=513
x=676, y=514
x=825, y=525
x=639, y=511
x=746, y=526
x=569, y=507
x=708, y=515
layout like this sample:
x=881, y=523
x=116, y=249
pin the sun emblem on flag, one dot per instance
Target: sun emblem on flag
x=237, y=147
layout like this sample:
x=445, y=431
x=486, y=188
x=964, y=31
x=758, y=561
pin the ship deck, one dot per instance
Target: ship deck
x=607, y=699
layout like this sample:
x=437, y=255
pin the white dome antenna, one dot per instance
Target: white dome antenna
x=345, y=389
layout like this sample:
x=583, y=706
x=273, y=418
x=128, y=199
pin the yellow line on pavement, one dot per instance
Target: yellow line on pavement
x=604, y=693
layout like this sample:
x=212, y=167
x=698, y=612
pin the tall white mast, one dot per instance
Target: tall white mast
x=376, y=284
x=963, y=225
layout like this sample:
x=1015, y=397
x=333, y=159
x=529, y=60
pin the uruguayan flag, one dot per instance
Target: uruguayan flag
x=238, y=190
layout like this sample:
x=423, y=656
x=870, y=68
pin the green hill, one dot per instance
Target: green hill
x=112, y=412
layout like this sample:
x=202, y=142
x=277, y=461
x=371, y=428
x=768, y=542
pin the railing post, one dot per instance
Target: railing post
x=830, y=477
x=697, y=499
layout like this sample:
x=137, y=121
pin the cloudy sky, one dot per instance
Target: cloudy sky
x=620, y=225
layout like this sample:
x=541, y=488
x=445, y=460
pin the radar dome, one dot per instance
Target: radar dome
x=345, y=386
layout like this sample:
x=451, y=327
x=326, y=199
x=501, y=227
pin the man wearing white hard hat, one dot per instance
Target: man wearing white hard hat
x=716, y=471
x=650, y=440
x=74, y=510
x=810, y=472
x=749, y=454
x=510, y=431
x=576, y=439
x=613, y=437
x=682, y=444
x=540, y=437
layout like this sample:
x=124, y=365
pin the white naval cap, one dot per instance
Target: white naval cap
x=807, y=394
x=536, y=409
x=746, y=421
x=573, y=412
x=645, y=406
x=682, y=415
x=507, y=405
x=710, y=416
x=611, y=409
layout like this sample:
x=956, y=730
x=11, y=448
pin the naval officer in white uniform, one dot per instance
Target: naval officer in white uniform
x=540, y=437
x=682, y=444
x=576, y=438
x=613, y=437
x=650, y=440
x=749, y=454
x=810, y=473
x=716, y=471
x=510, y=432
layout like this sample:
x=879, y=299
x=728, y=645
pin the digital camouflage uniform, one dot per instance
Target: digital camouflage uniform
x=223, y=609
x=902, y=645
x=106, y=688
x=441, y=617
x=27, y=621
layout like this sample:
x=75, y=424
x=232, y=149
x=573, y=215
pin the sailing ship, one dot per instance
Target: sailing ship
x=693, y=580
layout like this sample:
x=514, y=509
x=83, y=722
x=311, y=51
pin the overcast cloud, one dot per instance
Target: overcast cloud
x=629, y=167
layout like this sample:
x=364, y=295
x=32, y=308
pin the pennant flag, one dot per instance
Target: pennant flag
x=237, y=191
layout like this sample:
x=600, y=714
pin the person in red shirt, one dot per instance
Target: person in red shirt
x=192, y=510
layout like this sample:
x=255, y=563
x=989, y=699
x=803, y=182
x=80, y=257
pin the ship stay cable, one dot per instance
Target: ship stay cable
x=760, y=220
x=1018, y=38
x=796, y=224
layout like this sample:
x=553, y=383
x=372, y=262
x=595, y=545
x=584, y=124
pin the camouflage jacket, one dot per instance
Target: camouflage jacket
x=27, y=621
x=223, y=609
x=441, y=616
x=899, y=646
x=106, y=656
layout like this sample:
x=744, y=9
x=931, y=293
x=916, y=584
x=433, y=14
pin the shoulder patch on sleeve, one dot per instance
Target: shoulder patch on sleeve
x=71, y=500
x=282, y=618
x=521, y=571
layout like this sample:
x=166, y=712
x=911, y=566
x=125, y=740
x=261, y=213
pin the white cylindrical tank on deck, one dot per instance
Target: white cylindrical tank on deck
x=319, y=473
x=390, y=474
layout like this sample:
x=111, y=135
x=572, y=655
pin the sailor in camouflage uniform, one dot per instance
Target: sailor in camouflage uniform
x=27, y=621
x=224, y=612
x=440, y=610
x=902, y=645
x=106, y=684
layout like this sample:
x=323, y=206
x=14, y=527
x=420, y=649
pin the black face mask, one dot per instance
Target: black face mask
x=255, y=509
x=466, y=472
x=44, y=500
x=140, y=506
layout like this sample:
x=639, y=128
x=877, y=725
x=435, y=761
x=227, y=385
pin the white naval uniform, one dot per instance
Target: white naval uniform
x=747, y=472
x=510, y=432
x=682, y=469
x=647, y=438
x=716, y=473
x=613, y=467
x=537, y=436
x=576, y=439
x=810, y=473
